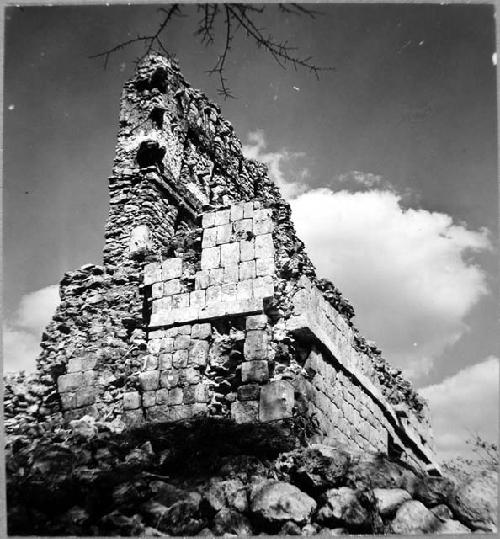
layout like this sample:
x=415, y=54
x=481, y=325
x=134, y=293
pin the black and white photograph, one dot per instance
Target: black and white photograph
x=250, y=269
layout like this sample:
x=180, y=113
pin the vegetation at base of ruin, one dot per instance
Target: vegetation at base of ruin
x=485, y=458
x=227, y=21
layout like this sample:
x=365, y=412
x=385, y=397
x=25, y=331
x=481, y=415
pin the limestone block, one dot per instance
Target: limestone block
x=223, y=233
x=208, y=220
x=131, y=400
x=256, y=345
x=264, y=266
x=201, y=280
x=247, y=270
x=209, y=238
x=140, y=239
x=169, y=379
x=182, y=342
x=171, y=268
x=165, y=361
x=276, y=401
x=255, y=371
x=148, y=399
x=222, y=217
x=157, y=290
x=214, y=294
x=230, y=254
x=247, y=250
x=263, y=226
x=236, y=212
x=197, y=298
x=162, y=396
x=185, y=314
x=171, y=332
x=263, y=287
x=210, y=258
x=152, y=273
x=180, y=359
x=180, y=301
x=228, y=292
x=149, y=380
x=248, y=392
x=184, y=330
x=158, y=414
x=201, y=331
x=215, y=310
x=264, y=246
x=198, y=353
x=231, y=274
x=68, y=400
x=189, y=376
x=244, y=289
x=167, y=345
x=175, y=396
x=243, y=226
x=163, y=305
x=150, y=362
x=180, y=413
x=69, y=382
x=172, y=287
x=245, y=412
x=74, y=365
x=154, y=346
x=248, y=210
x=257, y=321
x=215, y=276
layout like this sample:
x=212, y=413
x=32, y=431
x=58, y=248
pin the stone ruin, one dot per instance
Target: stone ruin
x=207, y=303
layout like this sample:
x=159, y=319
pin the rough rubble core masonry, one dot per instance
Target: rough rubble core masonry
x=207, y=303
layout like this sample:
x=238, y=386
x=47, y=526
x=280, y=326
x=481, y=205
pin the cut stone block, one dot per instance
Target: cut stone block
x=150, y=361
x=236, y=212
x=249, y=392
x=171, y=268
x=242, y=227
x=131, y=400
x=197, y=298
x=248, y=209
x=201, y=393
x=222, y=217
x=228, y=292
x=247, y=250
x=209, y=238
x=256, y=345
x=74, y=365
x=245, y=412
x=85, y=397
x=169, y=379
x=264, y=246
x=163, y=305
x=167, y=345
x=210, y=258
x=157, y=290
x=182, y=342
x=247, y=270
x=172, y=287
x=230, y=254
x=201, y=331
x=208, y=220
x=198, y=352
x=214, y=294
x=162, y=396
x=189, y=376
x=148, y=399
x=244, y=289
x=231, y=274
x=180, y=301
x=263, y=227
x=256, y=321
x=152, y=273
x=154, y=346
x=223, y=234
x=215, y=276
x=180, y=359
x=255, y=371
x=276, y=401
x=175, y=396
x=149, y=380
x=165, y=361
x=69, y=382
x=201, y=280
x=263, y=287
x=264, y=266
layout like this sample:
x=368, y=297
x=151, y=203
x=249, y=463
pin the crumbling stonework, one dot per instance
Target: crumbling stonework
x=207, y=303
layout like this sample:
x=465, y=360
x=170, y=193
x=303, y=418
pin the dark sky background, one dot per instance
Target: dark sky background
x=412, y=98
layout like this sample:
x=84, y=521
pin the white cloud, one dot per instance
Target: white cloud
x=21, y=334
x=276, y=162
x=463, y=405
x=403, y=270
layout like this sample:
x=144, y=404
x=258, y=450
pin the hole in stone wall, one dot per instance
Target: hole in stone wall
x=150, y=153
x=156, y=116
x=159, y=80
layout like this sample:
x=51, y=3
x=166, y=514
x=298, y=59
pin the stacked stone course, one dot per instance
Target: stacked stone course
x=207, y=303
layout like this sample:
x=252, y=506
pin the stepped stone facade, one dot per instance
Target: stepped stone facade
x=207, y=303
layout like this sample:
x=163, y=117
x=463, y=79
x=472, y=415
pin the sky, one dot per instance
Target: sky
x=389, y=162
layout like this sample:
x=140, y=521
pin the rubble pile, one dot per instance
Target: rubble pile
x=215, y=479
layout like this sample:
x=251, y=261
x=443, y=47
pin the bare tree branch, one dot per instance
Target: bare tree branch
x=235, y=18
